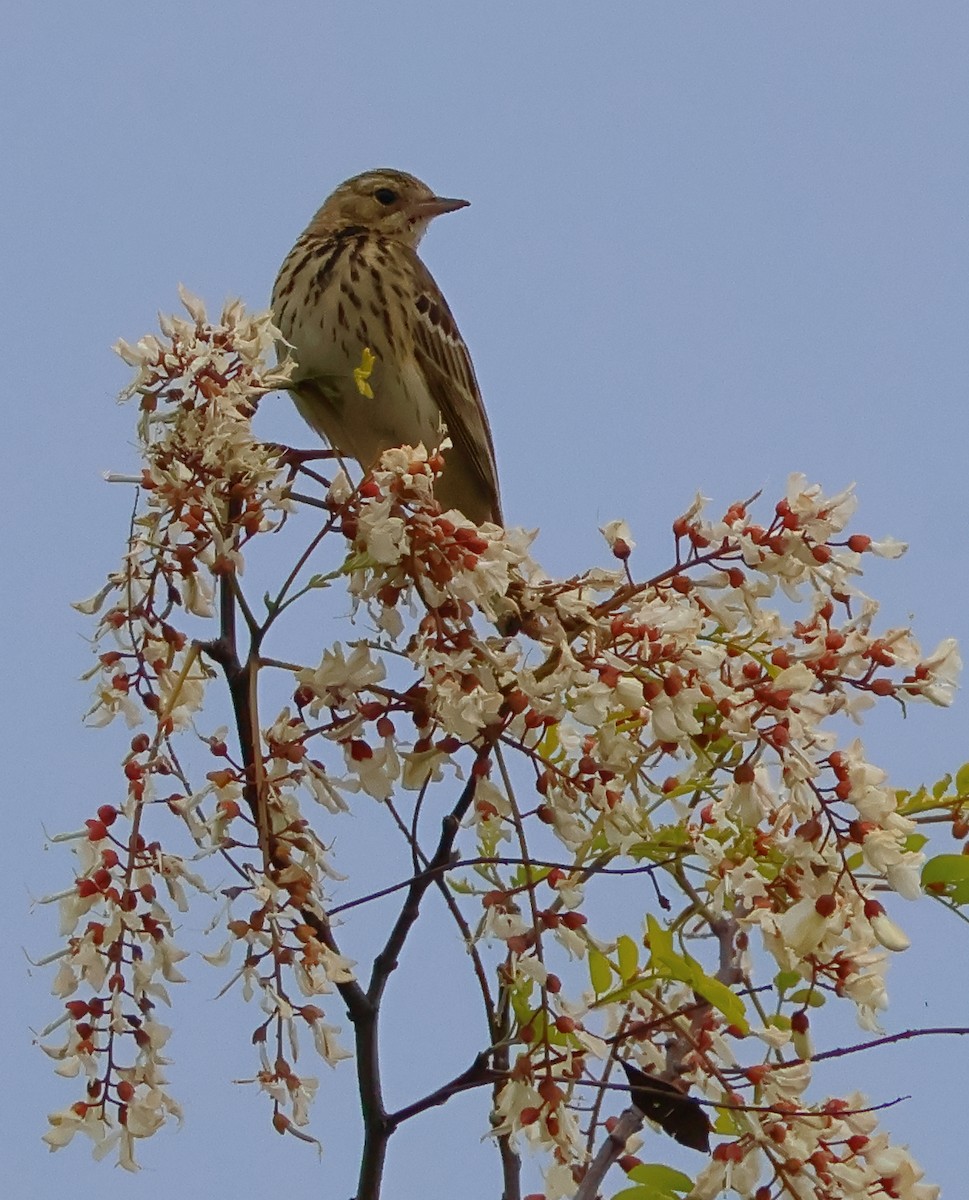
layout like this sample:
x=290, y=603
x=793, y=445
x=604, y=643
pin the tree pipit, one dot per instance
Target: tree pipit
x=379, y=359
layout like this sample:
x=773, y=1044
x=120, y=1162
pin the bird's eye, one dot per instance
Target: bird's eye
x=385, y=196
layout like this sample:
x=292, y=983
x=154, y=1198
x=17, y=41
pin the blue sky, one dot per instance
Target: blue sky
x=709, y=244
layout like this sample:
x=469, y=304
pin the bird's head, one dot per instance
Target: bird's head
x=390, y=203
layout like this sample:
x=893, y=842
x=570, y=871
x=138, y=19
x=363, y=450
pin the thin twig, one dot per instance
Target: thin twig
x=477, y=1075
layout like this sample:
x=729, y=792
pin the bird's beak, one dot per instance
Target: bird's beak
x=425, y=209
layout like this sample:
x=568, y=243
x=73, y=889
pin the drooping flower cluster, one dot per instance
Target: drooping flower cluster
x=652, y=816
x=203, y=475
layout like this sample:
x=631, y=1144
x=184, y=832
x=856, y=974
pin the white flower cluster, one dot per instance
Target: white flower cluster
x=827, y=1153
x=198, y=392
x=119, y=948
x=676, y=737
x=207, y=487
x=681, y=721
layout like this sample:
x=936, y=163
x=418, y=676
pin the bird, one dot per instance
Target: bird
x=353, y=292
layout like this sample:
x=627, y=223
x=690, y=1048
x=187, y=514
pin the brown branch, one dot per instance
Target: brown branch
x=377, y=1126
x=488, y=861
x=496, y=1015
x=241, y=681
x=386, y=961
x=362, y=1006
x=611, y=1150
x=477, y=1075
x=420, y=860
x=887, y=1040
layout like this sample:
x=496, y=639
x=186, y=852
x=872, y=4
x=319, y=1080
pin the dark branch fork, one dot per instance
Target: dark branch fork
x=363, y=1004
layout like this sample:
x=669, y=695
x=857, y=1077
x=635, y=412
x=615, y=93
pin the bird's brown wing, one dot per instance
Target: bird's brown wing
x=446, y=365
x=674, y=1111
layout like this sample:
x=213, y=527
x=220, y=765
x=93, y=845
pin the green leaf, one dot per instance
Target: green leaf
x=666, y=840
x=809, y=996
x=635, y=987
x=962, y=780
x=683, y=967
x=727, y=1123
x=658, y=1176
x=645, y=1192
x=521, y=1005
x=550, y=747
x=355, y=562
x=787, y=979
x=721, y=997
x=539, y=1026
x=656, y=1182
x=318, y=581
x=524, y=876
x=599, y=972
x=946, y=868
x=952, y=872
x=939, y=789
x=627, y=956
x=660, y=939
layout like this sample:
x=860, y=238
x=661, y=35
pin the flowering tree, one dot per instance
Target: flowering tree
x=673, y=741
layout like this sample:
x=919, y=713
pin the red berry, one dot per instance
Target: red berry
x=574, y=920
